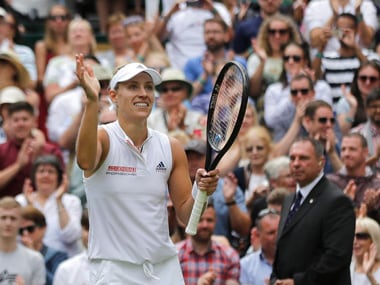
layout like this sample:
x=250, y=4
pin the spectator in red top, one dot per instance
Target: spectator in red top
x=21, y=148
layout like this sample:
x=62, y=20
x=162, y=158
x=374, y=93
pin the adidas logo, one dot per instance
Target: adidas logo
x=160, y=167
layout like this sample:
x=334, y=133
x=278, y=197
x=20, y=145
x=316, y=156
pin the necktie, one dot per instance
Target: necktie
x=296, y=206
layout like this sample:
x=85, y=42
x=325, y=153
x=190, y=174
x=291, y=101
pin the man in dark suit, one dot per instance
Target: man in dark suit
x=317, y=225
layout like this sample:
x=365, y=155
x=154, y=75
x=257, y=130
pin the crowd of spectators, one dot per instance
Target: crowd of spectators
x=314, y=71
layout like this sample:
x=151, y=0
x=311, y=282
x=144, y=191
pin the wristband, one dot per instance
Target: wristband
x=201, y=81
x=140, y=58
x=228, y=204
x=349, y=119
x=319, y=55
x=359, y=17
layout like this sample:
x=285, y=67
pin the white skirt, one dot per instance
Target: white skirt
x=107, y=272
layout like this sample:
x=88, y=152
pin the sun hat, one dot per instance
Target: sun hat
x=198, y=146
x=171, y=74
x=11, y=94
x=22, y=75
x=102, y=72
x=130, y=70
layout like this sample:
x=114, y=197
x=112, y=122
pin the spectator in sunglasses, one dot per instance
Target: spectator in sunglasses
x=315, y=120
x=338, y=66
x=365, y=265
x=277, y=96
x=265, y=64
x=32, y=231
x=19, y=264
x=351, y=108
x=358, y=180
x=174, y=116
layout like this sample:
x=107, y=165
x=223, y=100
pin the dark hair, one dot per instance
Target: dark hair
x=313, y=106
x=304, y=46
x=31, y=213
x=49, y=159
x=362, y=139
x=218, y=21
x=316, y=144
x=21, y=106
x=84, y=220
x=360, y=115
x=349, y=16
x=303, y=76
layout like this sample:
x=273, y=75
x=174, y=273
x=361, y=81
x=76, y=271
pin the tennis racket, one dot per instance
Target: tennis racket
x=226, y=111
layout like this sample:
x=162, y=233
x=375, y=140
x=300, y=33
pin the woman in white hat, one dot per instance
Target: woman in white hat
x=128, y=171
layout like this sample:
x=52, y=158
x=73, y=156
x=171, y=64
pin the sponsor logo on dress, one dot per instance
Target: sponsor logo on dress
x=161, y=167
x=121, y=170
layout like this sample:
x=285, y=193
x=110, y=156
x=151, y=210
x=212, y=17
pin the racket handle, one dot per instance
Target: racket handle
x=196, y=212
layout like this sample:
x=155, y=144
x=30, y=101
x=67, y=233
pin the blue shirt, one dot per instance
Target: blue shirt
x=244, y=32
x=222, y=226
x=254, y=269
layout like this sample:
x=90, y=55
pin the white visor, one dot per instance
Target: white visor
x=130, y=70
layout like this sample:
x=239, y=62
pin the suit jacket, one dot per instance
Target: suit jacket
x=316, y=246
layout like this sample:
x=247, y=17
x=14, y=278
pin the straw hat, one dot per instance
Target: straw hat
x=22, y=75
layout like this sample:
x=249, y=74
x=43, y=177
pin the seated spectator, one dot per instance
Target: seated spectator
x=8, y=95
x=277, y=95
x=24, y=53
x=355, y=177
x=46, y=191
x=183, y=27
x=75, y=270
x=338, y=66
x=19, y=264
x=265, y=64
x=21, y=149
x=320, y=19
x=119, y=53
x=316, y=121
x=365, y=265
x=204, y=261
x=53, y=43
x=32, y=231
x=14, y=73
x=140, y=40
x=302, y=90
x=251, y=177
x=351, y=108
x=203, y=69
x=256, y=267
x=248, y=29
x=174, y=116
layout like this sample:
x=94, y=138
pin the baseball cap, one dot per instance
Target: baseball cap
x=198, y=146
x=130, y=70
x=11, y=94
x=3, y=13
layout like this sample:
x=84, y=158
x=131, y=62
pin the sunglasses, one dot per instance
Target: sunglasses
x=362, y=236
x=58, y=17
x=323, y=120
x=251, y=148
x=364, y=78
x=173, y=89
x=303, y=91
x=281, y=32
x=266, y=212
x=29, y=229
x=296, y=58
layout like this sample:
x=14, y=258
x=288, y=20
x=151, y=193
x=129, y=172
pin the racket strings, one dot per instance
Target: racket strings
x=227, y=107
